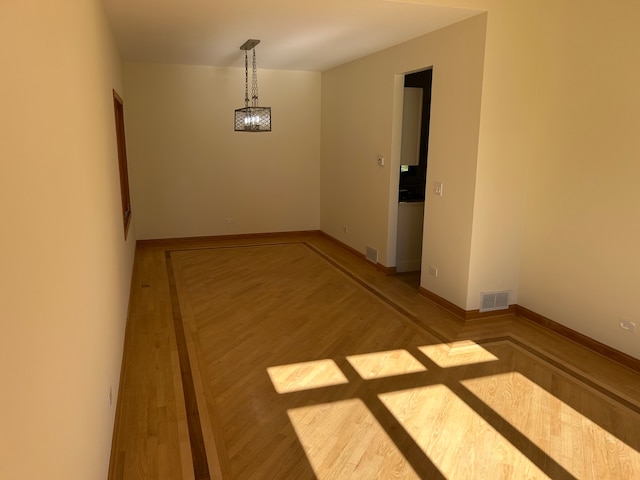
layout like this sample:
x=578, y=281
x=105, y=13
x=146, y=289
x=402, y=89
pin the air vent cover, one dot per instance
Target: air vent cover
x=372, y=254
x=490, y=301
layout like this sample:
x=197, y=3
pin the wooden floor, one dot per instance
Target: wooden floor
x=290, y=358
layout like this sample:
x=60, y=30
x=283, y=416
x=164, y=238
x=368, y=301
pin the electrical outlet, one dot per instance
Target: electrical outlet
x=345, y=229
x=627, y=325
x=433, y=271
x=229, y=221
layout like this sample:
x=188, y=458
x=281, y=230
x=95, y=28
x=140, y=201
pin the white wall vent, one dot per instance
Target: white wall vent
x=490, y=301
x=372, y=255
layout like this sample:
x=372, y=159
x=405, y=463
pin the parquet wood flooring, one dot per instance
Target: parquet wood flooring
x=308, y=363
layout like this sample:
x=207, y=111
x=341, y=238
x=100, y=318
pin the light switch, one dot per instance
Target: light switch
x=437, y=188
x=381, y=160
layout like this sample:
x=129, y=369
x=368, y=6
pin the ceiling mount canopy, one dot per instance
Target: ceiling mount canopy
x=249, y=44
x=251, y=118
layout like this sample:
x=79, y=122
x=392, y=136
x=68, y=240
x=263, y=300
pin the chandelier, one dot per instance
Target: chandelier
x=252, y=118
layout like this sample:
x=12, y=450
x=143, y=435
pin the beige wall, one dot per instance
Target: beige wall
x=65, y=265
x=190, y=171
x=555, y=215
x=509, y=103
x=581, y=248
x=359, y=121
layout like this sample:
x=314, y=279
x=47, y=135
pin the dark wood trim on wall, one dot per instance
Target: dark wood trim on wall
x=125, y=195
x=467, y=315
x=446, y=304
x=471, y=315
x=605, y=350
x=386, y=270
x=160, y=242
x=522, y=312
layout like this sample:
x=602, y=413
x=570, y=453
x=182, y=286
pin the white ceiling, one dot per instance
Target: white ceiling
x=314, y=35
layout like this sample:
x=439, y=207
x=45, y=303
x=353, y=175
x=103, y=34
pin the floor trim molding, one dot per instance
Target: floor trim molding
x=522, y=312
x=466, y=315
x=577, y=337
x=384, y=269
x=161, y=242
x=518, y=310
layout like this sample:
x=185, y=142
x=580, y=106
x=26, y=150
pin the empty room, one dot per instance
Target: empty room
x=350, y=239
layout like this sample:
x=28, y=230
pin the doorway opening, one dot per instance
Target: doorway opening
x=413, y=173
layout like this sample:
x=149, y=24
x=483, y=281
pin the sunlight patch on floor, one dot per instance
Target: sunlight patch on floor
x=385, y=364
x=455, y=354
x=344, y=440
x=306, y=375
x=459, y=442
x=574, y=441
